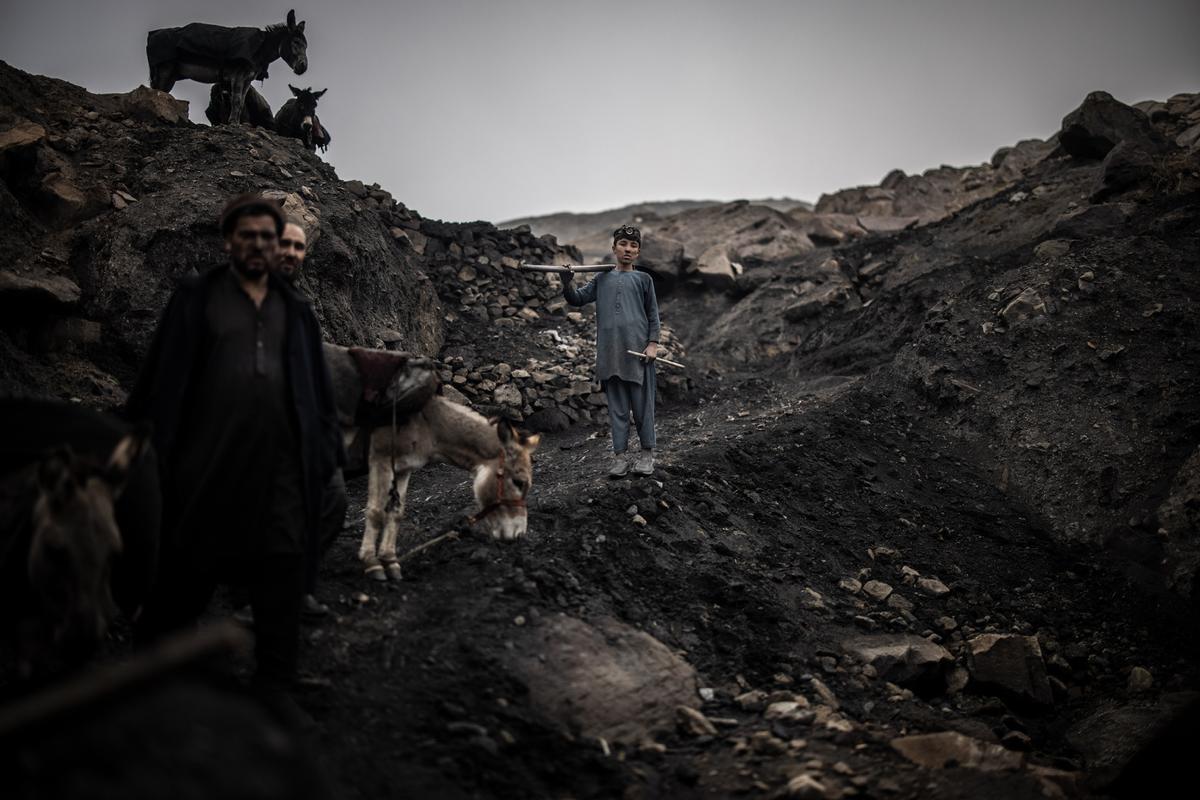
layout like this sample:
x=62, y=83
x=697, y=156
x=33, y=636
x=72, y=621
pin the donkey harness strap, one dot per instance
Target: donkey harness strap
x=501, y=501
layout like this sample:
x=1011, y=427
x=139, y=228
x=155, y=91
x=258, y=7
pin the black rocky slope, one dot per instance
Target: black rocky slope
x=1049, y=327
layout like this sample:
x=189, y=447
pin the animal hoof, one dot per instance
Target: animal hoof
x=394, y=572
x=376, y=573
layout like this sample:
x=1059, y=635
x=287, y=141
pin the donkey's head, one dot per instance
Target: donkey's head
x=306, y=101
x=502, y=484
x=75, y=538
x=294, y=47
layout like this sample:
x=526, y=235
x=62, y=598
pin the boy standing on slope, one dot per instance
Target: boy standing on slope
x=626, y=319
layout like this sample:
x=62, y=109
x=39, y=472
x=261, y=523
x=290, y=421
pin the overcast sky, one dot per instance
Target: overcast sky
x=494, y=109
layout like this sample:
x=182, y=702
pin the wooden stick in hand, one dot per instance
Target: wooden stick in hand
x=656, y=358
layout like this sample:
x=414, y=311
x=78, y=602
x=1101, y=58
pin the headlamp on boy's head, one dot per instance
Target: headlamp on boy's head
x=627, y=232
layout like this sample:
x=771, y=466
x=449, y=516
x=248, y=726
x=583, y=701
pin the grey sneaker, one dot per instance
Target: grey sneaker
x=619, y=466
x=644, y=463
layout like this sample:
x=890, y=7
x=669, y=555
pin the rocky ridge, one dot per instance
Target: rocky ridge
x=591, y=232
x=715, y=244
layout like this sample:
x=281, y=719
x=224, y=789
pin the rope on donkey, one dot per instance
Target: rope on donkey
x=450, y=536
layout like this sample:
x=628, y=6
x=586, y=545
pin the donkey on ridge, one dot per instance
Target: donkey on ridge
x=255, y=108
x=298, y=119
x=427, y=428
x=231, y=56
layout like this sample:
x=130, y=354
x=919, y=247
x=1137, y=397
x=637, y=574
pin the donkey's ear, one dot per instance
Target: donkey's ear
x=291, y=18
x=318, y=94
x=295, y=91
x=531, y=442
x=300, y=27
x=123, y=457
x=504, y=430
x=54, y=476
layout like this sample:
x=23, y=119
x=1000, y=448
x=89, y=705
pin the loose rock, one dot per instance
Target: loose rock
x=1012, y=664
x=877, y=590
x=933, y=587
x=950, y=749
x=693, y=722
x=806, y=787
x=900, y=658
x=1140, y=680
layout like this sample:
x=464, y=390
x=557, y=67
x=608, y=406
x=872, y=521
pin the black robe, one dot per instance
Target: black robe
x=214, y=44
x=216, y=483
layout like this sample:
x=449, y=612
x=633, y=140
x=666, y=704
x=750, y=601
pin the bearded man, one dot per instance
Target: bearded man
x=236, y=387
x=293, y=250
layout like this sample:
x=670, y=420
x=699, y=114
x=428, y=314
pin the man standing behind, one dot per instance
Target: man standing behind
x=236, y=386
x=626, y=319
x=293, y=249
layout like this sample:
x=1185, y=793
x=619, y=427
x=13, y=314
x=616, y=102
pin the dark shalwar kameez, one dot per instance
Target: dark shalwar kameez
x=236, y=504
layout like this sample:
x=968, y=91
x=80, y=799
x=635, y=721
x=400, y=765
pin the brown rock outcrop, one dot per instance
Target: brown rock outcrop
x=1012, y=664
x=1101, y=123
x=605, y=680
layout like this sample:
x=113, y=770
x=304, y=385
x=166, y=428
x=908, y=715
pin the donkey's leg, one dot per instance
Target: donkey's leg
x=162, y=77
x=379, y=476
x=239, y=84
x=387, y=550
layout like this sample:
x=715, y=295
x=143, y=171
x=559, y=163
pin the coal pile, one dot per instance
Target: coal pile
x=110, y=200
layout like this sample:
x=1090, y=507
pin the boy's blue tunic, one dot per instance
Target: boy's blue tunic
x=626, y=319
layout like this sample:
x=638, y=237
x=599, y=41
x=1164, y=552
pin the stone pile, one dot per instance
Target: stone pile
x=513, y=345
